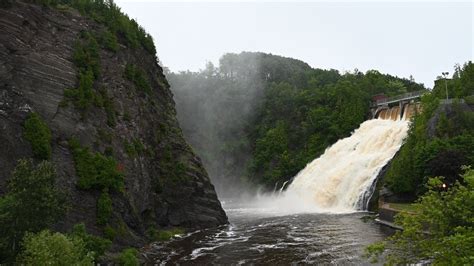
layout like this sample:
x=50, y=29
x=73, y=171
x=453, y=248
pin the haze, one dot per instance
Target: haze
x=421, y=39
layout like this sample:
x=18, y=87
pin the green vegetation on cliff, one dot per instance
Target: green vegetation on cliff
x=32, y=203
x=38, y=134
x=441, y=231
x=47, y=248
x=95, y=170
x=98, y=45
x=128, y=257
x=440, y=140
x=120, y=26
x=138, y=77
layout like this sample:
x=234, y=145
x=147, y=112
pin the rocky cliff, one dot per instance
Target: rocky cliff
x=165, y=183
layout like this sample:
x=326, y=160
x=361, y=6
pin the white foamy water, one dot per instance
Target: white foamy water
x=339, y=181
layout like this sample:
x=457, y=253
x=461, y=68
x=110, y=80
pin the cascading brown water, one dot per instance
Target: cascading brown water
x=341, y=179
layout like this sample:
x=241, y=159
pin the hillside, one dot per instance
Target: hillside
x=260, y=118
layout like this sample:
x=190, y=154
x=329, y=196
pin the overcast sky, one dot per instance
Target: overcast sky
x=421, y=39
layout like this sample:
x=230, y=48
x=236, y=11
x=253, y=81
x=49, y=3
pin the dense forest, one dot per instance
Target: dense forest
x=434, y=167
x=441, y=138
x=260, y=118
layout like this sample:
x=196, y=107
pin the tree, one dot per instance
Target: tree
x=38, y=134
x=441, y=230
x=31, y=204
x=128, y=257
x=47, y=248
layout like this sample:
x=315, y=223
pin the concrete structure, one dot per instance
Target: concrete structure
x=381, y=102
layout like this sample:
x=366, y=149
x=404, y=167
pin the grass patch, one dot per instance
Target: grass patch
x=408, y=207
x=163, y=235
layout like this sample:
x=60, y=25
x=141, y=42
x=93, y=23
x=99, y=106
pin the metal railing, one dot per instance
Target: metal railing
x=401, y=97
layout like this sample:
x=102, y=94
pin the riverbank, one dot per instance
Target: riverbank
x=387, y=212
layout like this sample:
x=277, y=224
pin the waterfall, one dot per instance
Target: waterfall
x=342, y=179
x=283, y=186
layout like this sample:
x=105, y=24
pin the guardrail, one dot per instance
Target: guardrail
x=401, y=97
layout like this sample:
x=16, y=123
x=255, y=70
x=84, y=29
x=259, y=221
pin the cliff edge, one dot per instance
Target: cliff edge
x=103, y=98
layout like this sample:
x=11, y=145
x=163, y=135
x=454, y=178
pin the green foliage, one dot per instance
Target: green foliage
x=134, y=148
x=31, y=194
x=279, y=110
x=83, y=96
x=86, y=54
x=109, y=108
x=87, y=60
x=442, y=230
x=94, y=244
x=163, y=235
x=47, y=248
x=95, y=170
x=439, y=154
x=118, y=24
x=138, y=77
x=172, y=168
x=110, y=233
x=38, y=134
x=459, y=86
x=109, y=41
x=129, y=257
x=104, y=208
x=469, y=99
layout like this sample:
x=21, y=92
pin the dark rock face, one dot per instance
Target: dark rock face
x=450, y=110
x=36, y=66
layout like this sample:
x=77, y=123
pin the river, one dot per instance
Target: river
x=258, y=235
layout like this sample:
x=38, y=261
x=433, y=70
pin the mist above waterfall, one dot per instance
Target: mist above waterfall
x=213, y=107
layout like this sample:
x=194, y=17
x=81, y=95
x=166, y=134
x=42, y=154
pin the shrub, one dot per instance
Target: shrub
x=129, y=257
x=138, y=77
x=110, y=233
x=469, y=99
x=134, y=148
x=108, y=40
x=86, y=54
x=138, y=145
x=47, y=248
x=31, y=204
x=129, y=148
x=104, y=208
x=96, y=245
x=87, y=60
x=95, y=170
x=441, y=232
x=38, y=134
x=109, y=108
x=119, y=24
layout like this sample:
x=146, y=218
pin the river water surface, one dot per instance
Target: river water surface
x=257, y=235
